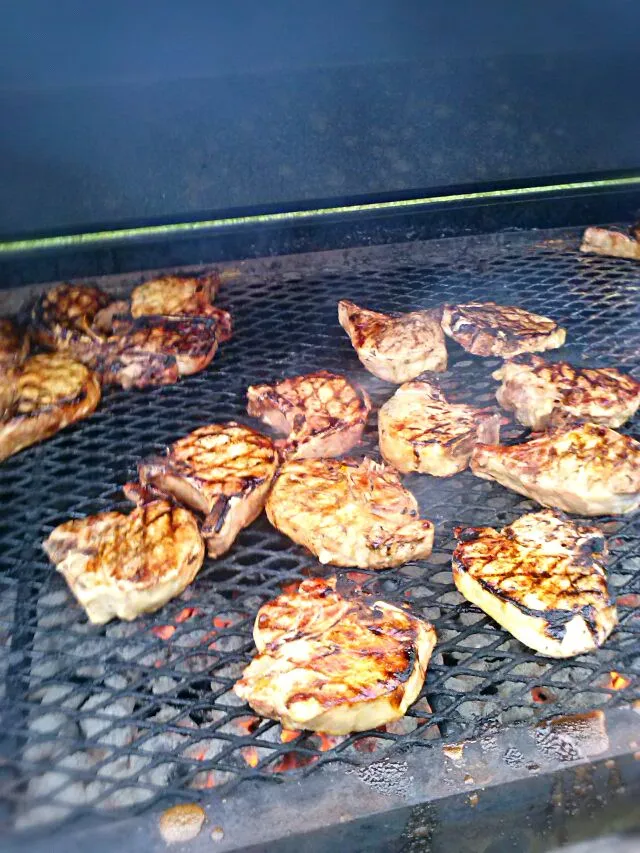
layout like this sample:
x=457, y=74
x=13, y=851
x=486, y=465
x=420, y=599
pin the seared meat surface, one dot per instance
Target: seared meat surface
x=488, y=329
x=157, y=350
x=124, y=565
x=44, y=395
x=224, y=471
x=395, y=348
x=420, y=431
x=62, y=318
x=615, y=242
x=322, y=413
x=14, y=347
x=131, y=352
x=349, y=512
x=334, y=664
x=534, y=389
x=586, y=469
x=542, y=578
x=174, y=295
x=14, y=344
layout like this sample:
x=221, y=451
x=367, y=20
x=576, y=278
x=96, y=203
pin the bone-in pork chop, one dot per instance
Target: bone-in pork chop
x=420, y=431
x=332, y=664
x=395, y=348
x=616, y=242
x=321, y=413
x=124, y=565
x=349, y=512
x=534, y=389
x=488, y=329
x=542, y=578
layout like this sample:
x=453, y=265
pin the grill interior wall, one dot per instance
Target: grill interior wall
x=106, y=720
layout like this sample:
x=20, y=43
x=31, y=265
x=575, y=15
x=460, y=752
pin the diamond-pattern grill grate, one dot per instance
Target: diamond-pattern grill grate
x=108, y=720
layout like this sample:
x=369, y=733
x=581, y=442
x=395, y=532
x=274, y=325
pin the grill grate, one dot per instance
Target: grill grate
x=105, y=721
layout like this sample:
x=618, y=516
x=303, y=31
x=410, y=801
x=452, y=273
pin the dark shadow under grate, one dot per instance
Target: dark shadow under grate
x=108, y=720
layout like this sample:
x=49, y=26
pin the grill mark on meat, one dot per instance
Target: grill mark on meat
x=536, y=390
x=323, y=414
x=549, y=569
x=395, y=348
x=486, y=328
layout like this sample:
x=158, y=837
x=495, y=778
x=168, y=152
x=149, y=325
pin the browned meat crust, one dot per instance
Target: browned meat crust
x=534, y=389
x=48, y=393
x=174, y=295
x=488, y=329
x=133, y=353
x=586, y=469
x=125, y=565
x=542, y=578
x=224, y=471
x=349, y=512
x=395, y=348
x=322, y=413
x=336, y=665
x=613, y=241
x=420, y=431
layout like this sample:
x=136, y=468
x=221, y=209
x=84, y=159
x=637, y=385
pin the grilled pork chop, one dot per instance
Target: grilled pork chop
x=62, y=318
x=615, y=242
x=420, y=431
x=586, y=469
x=395, y=348
x=542, y=578
x=336, y=665
x=534, y=389
x=322, y=413
x=46, y=394
x=349, y=512
x=157, y=350
x=485, y=328
x=125, y=565
x=174, y=295
x=223, y=471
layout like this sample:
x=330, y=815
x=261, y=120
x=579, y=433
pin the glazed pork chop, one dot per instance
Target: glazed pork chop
x=124, y=565
x=62, y=318
x=488, y=329
x=395, y=348
x=420, y=431
x=534, y=389
x=223, y=471
x=586, y=469
x=175, y=295
x=616, y=242
x=349, y=512
x=46, y=394
x=542, y=578
x=321, y=413
x=333, y=664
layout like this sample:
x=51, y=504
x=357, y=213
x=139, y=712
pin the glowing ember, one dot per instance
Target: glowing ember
x=358, y=577
x=163, y=632
x=250, y=755
x=287, y=735
x=187, y=613
x=542, y=695
x=631, y=599
x=328, y=742
x=249, y=724
x=222, y=622
x=617, y=681
x=292, y=761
